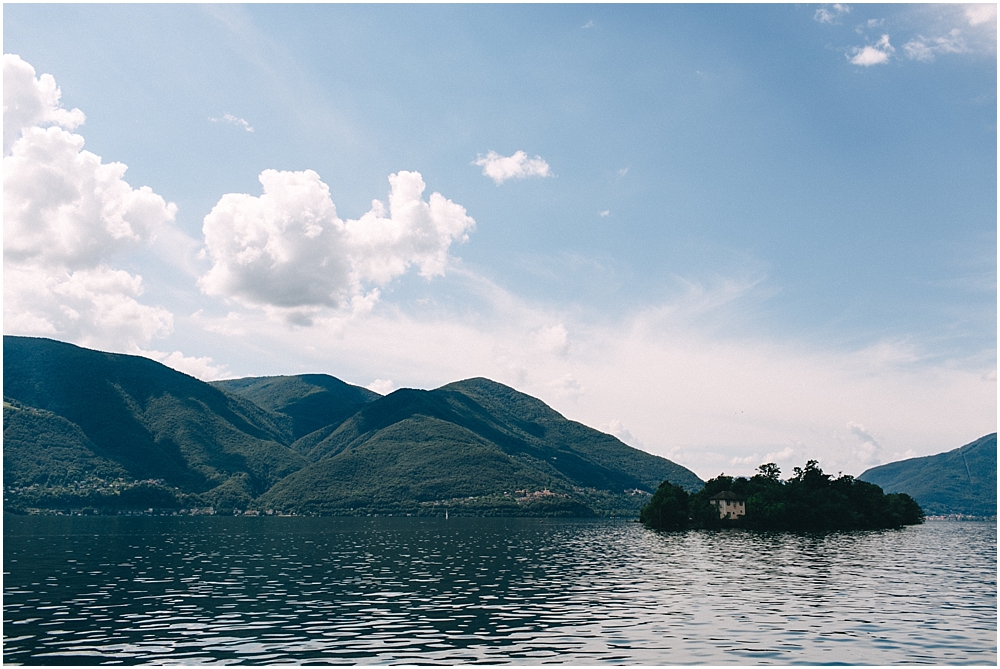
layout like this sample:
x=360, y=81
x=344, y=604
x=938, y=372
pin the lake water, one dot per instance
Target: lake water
x=528, y=591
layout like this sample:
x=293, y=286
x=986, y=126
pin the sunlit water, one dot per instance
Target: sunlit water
x=464, y=590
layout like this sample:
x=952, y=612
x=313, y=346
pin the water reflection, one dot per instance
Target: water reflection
x=413, y=590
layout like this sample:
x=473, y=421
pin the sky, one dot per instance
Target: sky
x=728, y=235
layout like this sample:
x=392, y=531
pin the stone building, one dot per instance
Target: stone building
x=730, y=505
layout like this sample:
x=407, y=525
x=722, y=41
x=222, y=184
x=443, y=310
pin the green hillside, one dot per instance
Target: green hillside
x=152, y=422
x=84, y=428
x=41, y=448
x=962, y=481
x=473, y=438
x=312, y=401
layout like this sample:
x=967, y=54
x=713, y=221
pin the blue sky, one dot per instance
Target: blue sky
x=734, y=233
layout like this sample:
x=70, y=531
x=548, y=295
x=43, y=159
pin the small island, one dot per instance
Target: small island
x=808, y=501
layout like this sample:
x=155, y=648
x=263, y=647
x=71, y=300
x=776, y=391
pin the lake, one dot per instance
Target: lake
x=268, y=590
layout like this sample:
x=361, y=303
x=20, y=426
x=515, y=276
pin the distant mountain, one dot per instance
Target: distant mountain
x=86, y=428
x=962, y=481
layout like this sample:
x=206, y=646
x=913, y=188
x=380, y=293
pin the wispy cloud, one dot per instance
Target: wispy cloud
x=831, y=13
x=666, y=371
x=518, y=166
x=927, y=48
x=235, y=120
x=588, y=24
x=877, y=54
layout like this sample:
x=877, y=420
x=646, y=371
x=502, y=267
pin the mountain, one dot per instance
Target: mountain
x=962, y=481
x=86, y=428
x=470, y=439
x=312, y=401
x=151, y=422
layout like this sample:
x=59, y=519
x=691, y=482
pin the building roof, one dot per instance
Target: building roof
x=727, y=495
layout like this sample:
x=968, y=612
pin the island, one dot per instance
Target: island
x=808, y=501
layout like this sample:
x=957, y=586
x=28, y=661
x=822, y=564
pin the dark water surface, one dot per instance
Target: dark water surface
x=528, y=591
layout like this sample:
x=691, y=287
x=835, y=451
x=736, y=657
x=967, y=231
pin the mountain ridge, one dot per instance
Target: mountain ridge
x=962, y=481
x=117, y=422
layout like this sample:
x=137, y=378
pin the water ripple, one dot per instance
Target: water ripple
x=523, y=591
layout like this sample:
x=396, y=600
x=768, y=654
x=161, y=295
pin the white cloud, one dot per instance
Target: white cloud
x=30, y=102
x=588, y=24
x=869, y=450
x=381, y=386
x=235, y=120
x=64, y=207
x=287, y=250
x=616, y=428
x=518, y=166
x=784, y=455
x=201, y=368
x=67, y=217
x=831, y=13
x=623, y=171
x=927, y=48
x=876, y=54
x=92, y=307
x=604, y=213
x=978, y=14
x=554, y=339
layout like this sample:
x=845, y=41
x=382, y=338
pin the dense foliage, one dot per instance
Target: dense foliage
x=110, y=432
x=808, y=501
x=961, y=481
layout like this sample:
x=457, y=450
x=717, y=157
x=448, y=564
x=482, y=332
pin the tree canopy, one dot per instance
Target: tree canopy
x=810, y=500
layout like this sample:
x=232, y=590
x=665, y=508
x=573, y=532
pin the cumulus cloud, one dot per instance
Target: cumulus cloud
x=93, y=307
x=201, y=368
x=381, y=386
x=29, y=101
x=67, y=216
x=831, y=13
x=288, y=250
x=235, y=120
x=518, y=166
x=876, y=54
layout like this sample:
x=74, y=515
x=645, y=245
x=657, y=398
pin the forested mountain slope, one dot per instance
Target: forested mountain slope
x=961, y=481
x=86, y=428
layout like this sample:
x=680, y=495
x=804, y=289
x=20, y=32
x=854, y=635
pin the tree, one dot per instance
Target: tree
x=769, y=471
x=668, y=508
